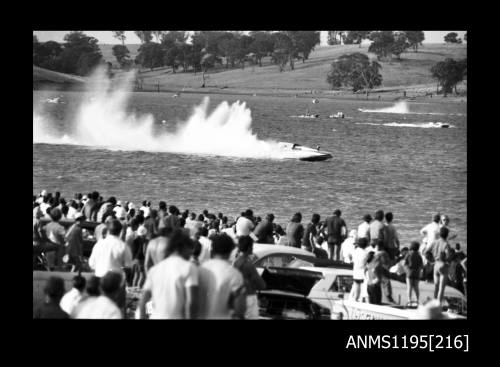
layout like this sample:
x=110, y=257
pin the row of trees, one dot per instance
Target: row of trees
x=210, y=48
x=79, y=54
x=452, y=37
x=384, y=43
x=356, y=71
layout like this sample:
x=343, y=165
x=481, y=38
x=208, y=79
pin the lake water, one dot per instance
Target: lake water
x=390, y=161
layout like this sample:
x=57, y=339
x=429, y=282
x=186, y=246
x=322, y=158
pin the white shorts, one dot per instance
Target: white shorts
x=252, y=312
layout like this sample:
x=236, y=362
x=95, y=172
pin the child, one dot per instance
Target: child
x=413, y=267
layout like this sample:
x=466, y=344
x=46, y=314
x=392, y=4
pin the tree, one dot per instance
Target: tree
x=144, y=36
x=80, y=54
x=158, y=35
x=284, y=51
x=449, y=73
x=47, y=55
x=382, y=43
x=122, y=55
x=174, y=37
x=415, y=38
x=336, y=37
x=356, y=37
x=262, y=45
x=451, y=37
x=150, y=55
x=304, y=42
x=355, y=71
x=120, y=35
x=399, y=45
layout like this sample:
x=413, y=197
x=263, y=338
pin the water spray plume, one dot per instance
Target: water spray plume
x=102, y=121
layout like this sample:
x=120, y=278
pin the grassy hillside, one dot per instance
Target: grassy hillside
x=412, y=70
x=41, y=75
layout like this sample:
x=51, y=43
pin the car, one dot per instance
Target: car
x=266, y=255
x=336, y=284
x=286, y=295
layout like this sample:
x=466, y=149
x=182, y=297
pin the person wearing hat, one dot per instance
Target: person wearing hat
x=74, y=244
x=55, y=233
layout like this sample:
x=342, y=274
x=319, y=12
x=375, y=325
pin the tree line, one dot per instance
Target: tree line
x=79, y=54
x=208, y=49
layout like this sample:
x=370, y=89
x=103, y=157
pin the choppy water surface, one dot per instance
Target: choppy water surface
x=393, y=161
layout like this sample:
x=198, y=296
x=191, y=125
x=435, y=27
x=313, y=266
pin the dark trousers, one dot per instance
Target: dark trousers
x=375, y=293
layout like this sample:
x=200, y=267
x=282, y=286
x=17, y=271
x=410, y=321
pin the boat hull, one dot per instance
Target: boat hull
x=316, y=158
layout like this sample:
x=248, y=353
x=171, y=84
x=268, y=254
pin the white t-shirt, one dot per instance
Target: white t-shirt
x=206, y=245
x=363, y=230
x=70, y=300
x=432, y=230
x=43, y=208
x=97, y=308
x=358, y=262
x=145, y=210
x=218, y=280
x=168, y=281
x=120, y=212
x=230, y=232
x=347, y=249
x=110, y=254
x=244, y=226
x=71, y=213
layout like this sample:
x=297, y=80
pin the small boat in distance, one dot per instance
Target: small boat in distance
x=338, y=115
x=303, y=153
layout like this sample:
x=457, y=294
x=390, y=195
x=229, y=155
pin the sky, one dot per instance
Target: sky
x=107, y=36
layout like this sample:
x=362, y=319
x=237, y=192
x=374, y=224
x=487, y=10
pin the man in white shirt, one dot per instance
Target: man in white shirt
x=172, y=284
x=222, y=290
x=120, y=211
x=146, y=207
x=104, y=306
x=206, y=245
x=244, y=224
x=364, y=228
x=110, y=253
x=430, y=233
x=71, y=299
x=348, y=246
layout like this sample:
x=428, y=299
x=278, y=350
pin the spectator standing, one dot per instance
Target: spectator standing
x=430, y=233
x=253, y=281
x=391, y=237
x=377, y=229
x=75, y=295
x=364, y=228
x=264, y=230
x=74, y=244
x=310, y=233
x=222, y=289
x=414, y=265
x=295, y=230
x=172, y=284
x=54, y=291
x=359, y=264
x=336, y=232
x=244, y=224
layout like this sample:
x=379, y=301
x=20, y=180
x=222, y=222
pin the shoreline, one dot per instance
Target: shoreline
x=392, y=95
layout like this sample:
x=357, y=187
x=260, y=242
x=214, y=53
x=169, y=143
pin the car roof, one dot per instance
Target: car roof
x=261, y=250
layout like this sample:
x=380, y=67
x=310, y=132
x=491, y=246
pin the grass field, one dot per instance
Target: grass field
x=412, y=70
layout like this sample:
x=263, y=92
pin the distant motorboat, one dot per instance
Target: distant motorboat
x=308, y=116
x=338, y=115
x=303, y=153
x=442, y=125
x=53, y=100
x=315, y=100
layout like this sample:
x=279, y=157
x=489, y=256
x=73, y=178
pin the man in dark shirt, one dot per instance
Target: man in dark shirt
x=310, y=233
x=54, y=291
x=264, y=230
x=151, y=224
x=91, y=207
x=335, y=234
x=173, y=222
x=295, y=230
